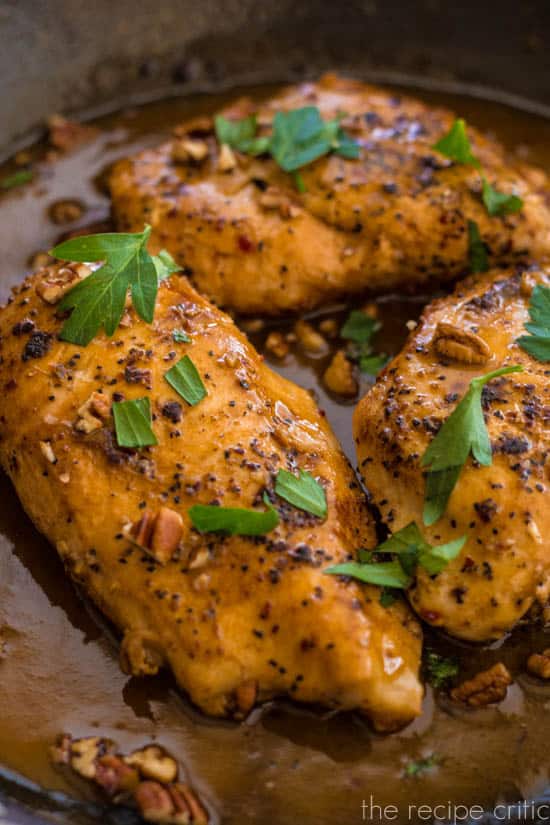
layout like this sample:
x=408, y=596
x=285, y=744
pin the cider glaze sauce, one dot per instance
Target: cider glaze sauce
x=59, y=671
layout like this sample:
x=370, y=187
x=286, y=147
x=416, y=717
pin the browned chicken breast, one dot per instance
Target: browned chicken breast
x=238, y=619
x=396, y=217
x=503, y=509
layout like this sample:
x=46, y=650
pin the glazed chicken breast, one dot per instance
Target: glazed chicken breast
x=502, y=509
x=395, y=218
x=238, y=619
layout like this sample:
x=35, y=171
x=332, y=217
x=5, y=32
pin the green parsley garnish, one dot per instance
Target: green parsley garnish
x=185, y=379
x=411, y=549
x=455, y=145
x=180, y=337
x=298, y=138
x=17, y=179
x=302, y=491
x=240, y=135
x=99, y=299
x=439, y=669
x=537, y=343
x=479, y=260
x=417, y=767
x=133, y=423
x=464, y=432
x=236, y=521
x=164, y=264
x=498, y=203
x=383, y=573
x=372, y=364
x=359, y=329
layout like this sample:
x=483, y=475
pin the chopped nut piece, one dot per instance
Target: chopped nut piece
x=154, y=763
x=115, y=776
x=40, y=260
x=309, y=339
x=340, y=378
x=329, y=327
x=539, y=664
x=60, y=751
x=66, y=135
x=57, y=280
x=66, y=211
x=226, y=159
x=159, y=534
x=85, y=753
x=93, y=413
x=277, y=345
x=47, y=451
x=198, y=813
x=155, y=803
x=460, y=345
x=186, y=150
x=486, y=688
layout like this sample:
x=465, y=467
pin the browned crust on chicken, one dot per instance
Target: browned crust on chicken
x=503, y=509
x=237, y=619
x=395, y=218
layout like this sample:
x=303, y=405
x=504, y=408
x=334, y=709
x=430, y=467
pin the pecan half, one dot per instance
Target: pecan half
x=159, y=534
x=539, y=664
x=486, y=688
x=455, y=344
x=55, y=281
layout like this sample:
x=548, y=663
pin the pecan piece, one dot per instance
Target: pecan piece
x=92, y=414
x=85, y=754
x=198, y=813
x=187, y=150
x=486, y=688
x=155, y=803
x=154, y=763
x=539, y=664
x=158, y=534
x=455, y=344
x=55, y=281
x=115, y=776
x=340, y=377
x=226, y=159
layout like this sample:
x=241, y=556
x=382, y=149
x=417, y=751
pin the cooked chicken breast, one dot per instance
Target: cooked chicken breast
x=503, y=509
x=395, y=218
x=237, y=619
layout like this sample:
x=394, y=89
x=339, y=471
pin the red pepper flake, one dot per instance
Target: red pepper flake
x=245, y=244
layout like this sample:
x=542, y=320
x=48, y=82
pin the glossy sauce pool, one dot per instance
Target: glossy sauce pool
x=60, y=672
